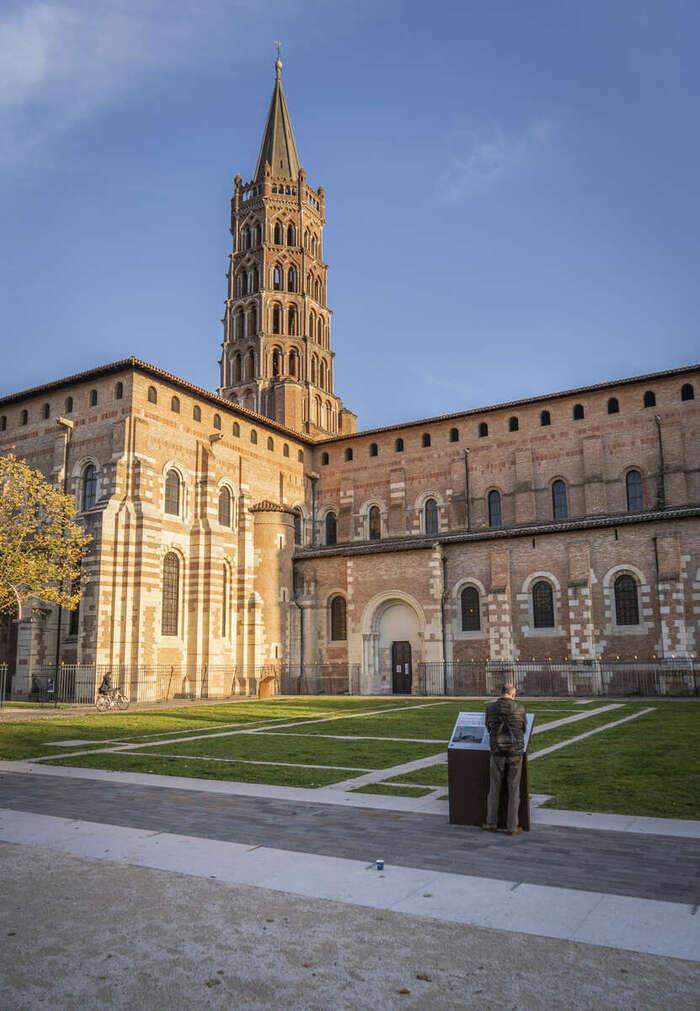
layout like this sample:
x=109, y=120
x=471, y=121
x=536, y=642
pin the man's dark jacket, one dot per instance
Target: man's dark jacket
x=508, y=711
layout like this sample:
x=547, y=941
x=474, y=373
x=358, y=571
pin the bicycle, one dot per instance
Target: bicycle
x=113, y=699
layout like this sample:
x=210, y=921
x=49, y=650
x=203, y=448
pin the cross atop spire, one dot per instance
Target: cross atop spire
x=278, y=146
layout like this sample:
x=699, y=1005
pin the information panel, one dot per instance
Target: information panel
x=470, y=731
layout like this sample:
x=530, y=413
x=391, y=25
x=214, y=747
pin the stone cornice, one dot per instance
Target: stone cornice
x=423, y=543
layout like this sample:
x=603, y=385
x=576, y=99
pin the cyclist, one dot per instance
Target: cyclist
x=106, y=686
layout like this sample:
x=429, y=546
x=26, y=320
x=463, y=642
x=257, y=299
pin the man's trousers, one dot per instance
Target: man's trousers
x=510, y=767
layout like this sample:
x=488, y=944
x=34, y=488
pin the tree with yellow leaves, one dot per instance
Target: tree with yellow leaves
x=41, y=545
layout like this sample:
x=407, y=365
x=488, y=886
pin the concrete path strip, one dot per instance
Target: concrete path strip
x=331, y=796
x=589, y=733
x=627, y=923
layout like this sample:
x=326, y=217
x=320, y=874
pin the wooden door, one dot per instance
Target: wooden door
x=401, y=667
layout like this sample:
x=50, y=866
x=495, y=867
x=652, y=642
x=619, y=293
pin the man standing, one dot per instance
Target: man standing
x=505, y=722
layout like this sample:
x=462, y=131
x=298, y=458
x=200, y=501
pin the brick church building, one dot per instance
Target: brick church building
x=255, y=529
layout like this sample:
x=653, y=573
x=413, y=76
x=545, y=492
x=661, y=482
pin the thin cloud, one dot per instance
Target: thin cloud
x=62, y=61
x=480, y=160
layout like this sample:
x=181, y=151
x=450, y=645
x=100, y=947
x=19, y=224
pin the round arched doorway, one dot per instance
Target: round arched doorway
x=393, y=633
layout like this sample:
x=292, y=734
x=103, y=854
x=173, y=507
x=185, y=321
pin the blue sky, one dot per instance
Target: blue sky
x=512, y=188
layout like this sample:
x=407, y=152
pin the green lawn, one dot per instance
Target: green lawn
x=305, y=750
x=647, y=766
x=275, y=775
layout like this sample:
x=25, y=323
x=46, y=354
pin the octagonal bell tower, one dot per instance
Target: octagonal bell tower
x=277, y=356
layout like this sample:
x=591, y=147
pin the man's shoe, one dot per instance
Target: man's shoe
x=489, y=828
x=515, y=831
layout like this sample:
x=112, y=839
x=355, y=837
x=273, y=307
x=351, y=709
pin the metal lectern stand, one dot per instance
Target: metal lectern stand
x=468, y=759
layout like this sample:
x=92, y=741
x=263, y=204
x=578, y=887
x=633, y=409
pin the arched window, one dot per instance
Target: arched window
x=483, y=430
x=236, y=430
x=242, y=283
x=74, y=619
x=254, y=279
x=317, y=290
x=238, y=327
x=560, y=505
x=175, y=405
x=650, y=399
x=319, y=332
x=172, y=493
x=225, y=507
x=398, y=446
x=626, y=600
x=471, y=610
x=24, y=417
x=257, y=234
x=495, y=516
x=348, y=454
x=613, y=406
x=375, y=523
x=425, y=440
x=331, y=528
x=298, y=526
x=276, y=368
x=270, y=443
x=93, y=398
x=373, y=449
x=277, y=279
x=513, y=424
x=635, y=491
x=292, y=279
x=687, y=392
x=292, y=317
x=542, y=604
x=253, y=437
x=277, y=319
x=119, y=391
x=171, y=594
x=338, y=619
x=278, y=234
x=252, y=320
x=285, y=449
x=324, y=459
x=46, y=411
x=245, y=238
x=578, y=412
x=323, y=375
x=216, y=421
x=196, y=413
x=454, y=435
x=224, y=600
x=88, y=494
x=300, y=455
x=545, y=418
x=152, y=395
x=68, y=406
x=314, y=368
x=291, y=235
x=430, y=517
x=250, y=365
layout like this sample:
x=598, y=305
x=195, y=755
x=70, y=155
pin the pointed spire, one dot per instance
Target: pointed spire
x=278, y=146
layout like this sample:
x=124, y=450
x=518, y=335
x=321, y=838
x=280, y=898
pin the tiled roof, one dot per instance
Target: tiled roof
x=125, y=364
x=578, y=391
x=421, y=542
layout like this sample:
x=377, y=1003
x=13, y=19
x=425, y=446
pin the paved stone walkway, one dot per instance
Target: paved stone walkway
x=644, y=866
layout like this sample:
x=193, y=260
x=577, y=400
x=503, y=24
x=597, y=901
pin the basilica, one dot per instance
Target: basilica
x=252, y=531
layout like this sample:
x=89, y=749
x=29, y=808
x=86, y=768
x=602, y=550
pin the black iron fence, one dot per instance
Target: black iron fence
x=668, y=677
x=77, y=684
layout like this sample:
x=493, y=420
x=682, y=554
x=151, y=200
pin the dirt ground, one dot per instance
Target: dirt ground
x=79, y=933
